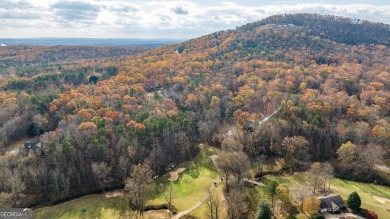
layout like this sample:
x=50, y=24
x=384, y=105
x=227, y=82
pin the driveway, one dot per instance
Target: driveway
x=341, y=215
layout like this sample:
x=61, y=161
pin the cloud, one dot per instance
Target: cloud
x=180, y=10
x=7, y=4
x=76, y=11
x=18, y=10
x=18, y=15
x=154, y=18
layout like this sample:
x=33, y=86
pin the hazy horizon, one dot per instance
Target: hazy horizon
x=160, y=19
x=69, y=41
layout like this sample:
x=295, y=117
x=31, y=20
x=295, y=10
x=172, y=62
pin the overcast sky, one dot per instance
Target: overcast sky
x=161, y=18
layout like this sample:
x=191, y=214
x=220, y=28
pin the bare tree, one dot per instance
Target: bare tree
x=13, y=180
x=293, y=149
x=102, y=173
x=301, y=194
x=139, y=186
x=237, y=206
x=214, y=205
x=168, y=196
x=240, y=166
x=223, y=162
x=315, y=169
x=233, y=164
x=327, y=173
x=371, y=154
x=231, y=144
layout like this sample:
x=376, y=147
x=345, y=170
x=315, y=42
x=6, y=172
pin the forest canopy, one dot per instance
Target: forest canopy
x=325, y=79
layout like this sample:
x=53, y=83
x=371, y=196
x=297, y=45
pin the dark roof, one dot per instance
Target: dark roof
x=30, y=145
x=250, y=123
x=326, y=201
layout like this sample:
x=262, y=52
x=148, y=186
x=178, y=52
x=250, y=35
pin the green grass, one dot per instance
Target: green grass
x=344, y=188
x=190, y=188
x=202, y=211
x=96, y=206
x=192, y=184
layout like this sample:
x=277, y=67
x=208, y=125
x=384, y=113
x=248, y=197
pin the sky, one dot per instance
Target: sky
x=161, y=18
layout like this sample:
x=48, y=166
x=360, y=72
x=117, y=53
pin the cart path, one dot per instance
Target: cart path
x=205, y=197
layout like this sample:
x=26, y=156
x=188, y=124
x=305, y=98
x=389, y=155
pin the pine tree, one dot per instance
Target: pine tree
x=264, y=211
x=354, y=201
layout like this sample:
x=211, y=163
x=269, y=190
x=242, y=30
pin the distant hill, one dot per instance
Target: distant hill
x=335, y=28
x=52, y=54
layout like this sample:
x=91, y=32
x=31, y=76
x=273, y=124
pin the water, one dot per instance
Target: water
x=88, y=42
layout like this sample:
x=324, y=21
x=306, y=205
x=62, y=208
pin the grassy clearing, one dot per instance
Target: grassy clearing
x=189, y=189
x=344, y=188
x=192, y=184
x=202, y=211
x=17, y=144
x=96, y=206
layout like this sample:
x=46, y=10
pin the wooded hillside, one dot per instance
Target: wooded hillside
x=329, y=76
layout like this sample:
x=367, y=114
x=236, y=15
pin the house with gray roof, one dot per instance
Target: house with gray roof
x=331, y=203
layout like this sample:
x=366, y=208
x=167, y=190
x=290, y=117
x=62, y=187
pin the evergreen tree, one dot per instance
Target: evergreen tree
x=354, y=201
x=264, y=211
x=272, y=191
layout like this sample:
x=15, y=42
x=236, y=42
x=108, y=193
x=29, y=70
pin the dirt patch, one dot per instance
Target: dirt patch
x=154, y=214
x=175, y=174
x=383, y=168
x=113, y=194
x=381, y=200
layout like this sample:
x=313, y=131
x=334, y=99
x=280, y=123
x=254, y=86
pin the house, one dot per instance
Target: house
x=37, y=148
x=30, y=145
x=249, y=126
x=331, y=203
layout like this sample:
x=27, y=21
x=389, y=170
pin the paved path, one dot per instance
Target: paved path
x=205, y=197
x=269, y=116
x=199, y=203
x=213, y=158
x=253, y=182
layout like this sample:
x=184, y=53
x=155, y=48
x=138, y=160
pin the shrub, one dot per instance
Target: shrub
x=369, y=214
x=194, y=173
x=317, y=216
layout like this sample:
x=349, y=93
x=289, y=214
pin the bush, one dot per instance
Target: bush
x=317, y=216
x=369, y=214
x=194, y=173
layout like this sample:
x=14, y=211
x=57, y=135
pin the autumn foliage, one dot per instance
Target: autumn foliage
x=329, y=90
